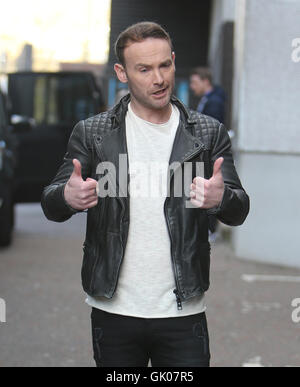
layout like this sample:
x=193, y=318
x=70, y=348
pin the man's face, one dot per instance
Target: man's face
x=197, y=85
x=149, y=71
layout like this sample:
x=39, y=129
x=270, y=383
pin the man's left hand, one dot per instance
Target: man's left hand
x=208, y=194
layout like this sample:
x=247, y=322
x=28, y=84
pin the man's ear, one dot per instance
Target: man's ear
x=121, y=73
x=173, y=58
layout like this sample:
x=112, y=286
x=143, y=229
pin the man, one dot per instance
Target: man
x=212, y=101
x=146, y=257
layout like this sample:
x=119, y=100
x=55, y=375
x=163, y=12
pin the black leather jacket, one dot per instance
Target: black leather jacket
x=103, y=138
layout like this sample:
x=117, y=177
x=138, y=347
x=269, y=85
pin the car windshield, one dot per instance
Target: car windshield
x=52, y=99
x=2, y=118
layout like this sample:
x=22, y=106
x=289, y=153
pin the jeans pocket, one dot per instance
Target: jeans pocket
x=200, y=333
x=97, y=336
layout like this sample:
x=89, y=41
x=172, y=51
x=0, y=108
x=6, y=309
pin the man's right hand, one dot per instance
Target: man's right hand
x=80, y=194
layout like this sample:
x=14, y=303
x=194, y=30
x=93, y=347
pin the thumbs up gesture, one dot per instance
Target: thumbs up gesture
x=208, y=194
x=80, y=194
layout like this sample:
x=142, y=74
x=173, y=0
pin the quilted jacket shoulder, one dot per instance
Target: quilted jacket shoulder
x=205, y=128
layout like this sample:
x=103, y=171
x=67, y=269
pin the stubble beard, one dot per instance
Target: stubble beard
x=152, y=104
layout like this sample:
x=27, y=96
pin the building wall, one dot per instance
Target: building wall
x=188, y=25
x=187, y=22
x=271, y=232
x=223, y=11
x=221, y=57
x=267, y=115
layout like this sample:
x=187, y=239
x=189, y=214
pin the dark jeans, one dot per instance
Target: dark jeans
x=122, y=341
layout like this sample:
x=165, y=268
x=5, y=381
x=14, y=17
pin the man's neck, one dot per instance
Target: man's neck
x=155, y=116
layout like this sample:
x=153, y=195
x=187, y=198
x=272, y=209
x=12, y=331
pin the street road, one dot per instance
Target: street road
x=48, y=323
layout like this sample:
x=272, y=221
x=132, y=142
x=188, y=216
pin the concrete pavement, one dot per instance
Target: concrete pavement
x=48, y=323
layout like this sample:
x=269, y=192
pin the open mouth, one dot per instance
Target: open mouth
x=161, y=92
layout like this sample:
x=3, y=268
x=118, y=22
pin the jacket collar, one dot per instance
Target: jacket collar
x=185, y=142
x=113, y=143
x=118, y=113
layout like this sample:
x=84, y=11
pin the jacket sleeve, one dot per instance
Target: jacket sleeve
x=53, y=200
x=235, y=204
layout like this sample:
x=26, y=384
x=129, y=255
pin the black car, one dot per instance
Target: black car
x=7, y=168
x=44, y=109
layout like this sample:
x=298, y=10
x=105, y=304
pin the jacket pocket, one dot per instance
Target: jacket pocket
x=204, y=259
x=195, y=268
x=89, y=262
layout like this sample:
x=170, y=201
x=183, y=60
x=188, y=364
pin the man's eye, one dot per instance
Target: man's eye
x=143, y=70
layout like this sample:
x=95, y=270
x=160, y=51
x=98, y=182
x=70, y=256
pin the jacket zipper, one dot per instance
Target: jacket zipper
x=177, y=290
x=97, y=248
x=123, y=210
x=122, y=217
x=178, y=300
x=96, y=253
x=123, y=250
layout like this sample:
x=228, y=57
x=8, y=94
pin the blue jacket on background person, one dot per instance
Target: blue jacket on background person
x=213, y=104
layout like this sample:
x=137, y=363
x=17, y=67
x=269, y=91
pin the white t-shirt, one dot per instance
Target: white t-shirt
x=146, y=282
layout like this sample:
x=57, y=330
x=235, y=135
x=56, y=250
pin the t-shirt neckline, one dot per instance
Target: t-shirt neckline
x=167, y=123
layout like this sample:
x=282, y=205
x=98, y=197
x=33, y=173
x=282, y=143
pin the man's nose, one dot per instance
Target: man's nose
x=158, y=79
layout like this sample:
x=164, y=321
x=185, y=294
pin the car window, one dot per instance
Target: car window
x=2, y=117
x=70, y=99
x=53, y=100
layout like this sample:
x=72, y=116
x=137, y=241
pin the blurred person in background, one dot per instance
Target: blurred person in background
x=146, y=259
x=212, y=97
x=212, y=103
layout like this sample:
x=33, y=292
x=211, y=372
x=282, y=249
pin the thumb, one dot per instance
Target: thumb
x=77, y=168
x=89, y=180
x=217, y=167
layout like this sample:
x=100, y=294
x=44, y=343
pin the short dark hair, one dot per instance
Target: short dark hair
x=137, y=33
x=203, y=73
